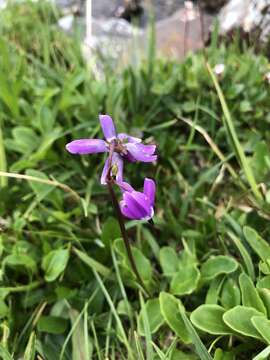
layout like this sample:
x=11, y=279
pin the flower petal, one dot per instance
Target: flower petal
x=138, y=204
x=124, y=186
x=126, y=211
x=108, y=128
x=131, y=139
x=86, y=146
x=149, y=189
x=142, y=152
x=117, y=169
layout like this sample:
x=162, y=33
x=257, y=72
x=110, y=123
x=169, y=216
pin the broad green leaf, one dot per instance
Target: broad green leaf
x=258, y=244
x=24, y=260
x=218, y=265
x=110, y=231
x=209, y=319
x=185, y=281
x=52, y=324
x=142, y=263
x=222, y=355
x=264, y=282
x=213, y=292
x=4, y=309
x=55, y=263
x=180, y=355
x=230, y=295
x=155, y=318
x=265, y=296
x=169, y=307
x=239, y=320
x=250, y=296
x=168, y=261
x=263, y=326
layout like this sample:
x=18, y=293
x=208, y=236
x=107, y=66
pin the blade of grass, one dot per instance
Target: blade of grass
x=148, y=337
x=199, y=346
x=245, y=255
x=30, y=348
x=114, y=312
x=3, y=162
x=92, y=263
x=233, y=136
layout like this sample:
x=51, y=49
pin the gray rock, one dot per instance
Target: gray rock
x=246, y=15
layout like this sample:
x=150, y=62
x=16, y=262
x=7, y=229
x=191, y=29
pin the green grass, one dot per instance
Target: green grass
x=67, y=290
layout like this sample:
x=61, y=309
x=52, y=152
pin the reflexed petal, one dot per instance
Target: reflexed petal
x=117, y=169
x=149, y=189
x=142, y=153
x=108, y=128
x=86, y=146
x=124, y=186
x=131, y=139
x=147, y=149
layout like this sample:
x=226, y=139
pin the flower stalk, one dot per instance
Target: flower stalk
x=110, y=182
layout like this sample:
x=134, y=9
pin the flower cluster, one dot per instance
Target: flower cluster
x=120, y=147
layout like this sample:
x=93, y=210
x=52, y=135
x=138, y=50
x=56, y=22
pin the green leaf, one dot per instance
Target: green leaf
x=110, y=231
x=258, y=244
x=218, y=265
x=230, y=295
x=154, y=316
x=265, y=296
x=4, y=309
x=185, y=281
x=264, y=282
x=263, y=355
x=239, y=320
x=168, y=260
x=30, y=348
x=4, y=354
x=212, y=296
x=55, y=263
x=263, y=326
x=92, y=263
x=169, y=307
x=250, y=296
x=24, y=260
x=52, y=324
x=142, y=263
x=222, y=355
x=209, y=318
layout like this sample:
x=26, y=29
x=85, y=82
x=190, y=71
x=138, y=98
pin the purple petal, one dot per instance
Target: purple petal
x=138, y=204
x=149, y=189
x=86, y=146
x=142, y=152
x=126, y=211
x=108, y=128
x=124, y=186
x=131, y=139
x=117, y=167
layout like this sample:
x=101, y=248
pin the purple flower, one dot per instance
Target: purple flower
x=138, y=205
x=125, y=147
